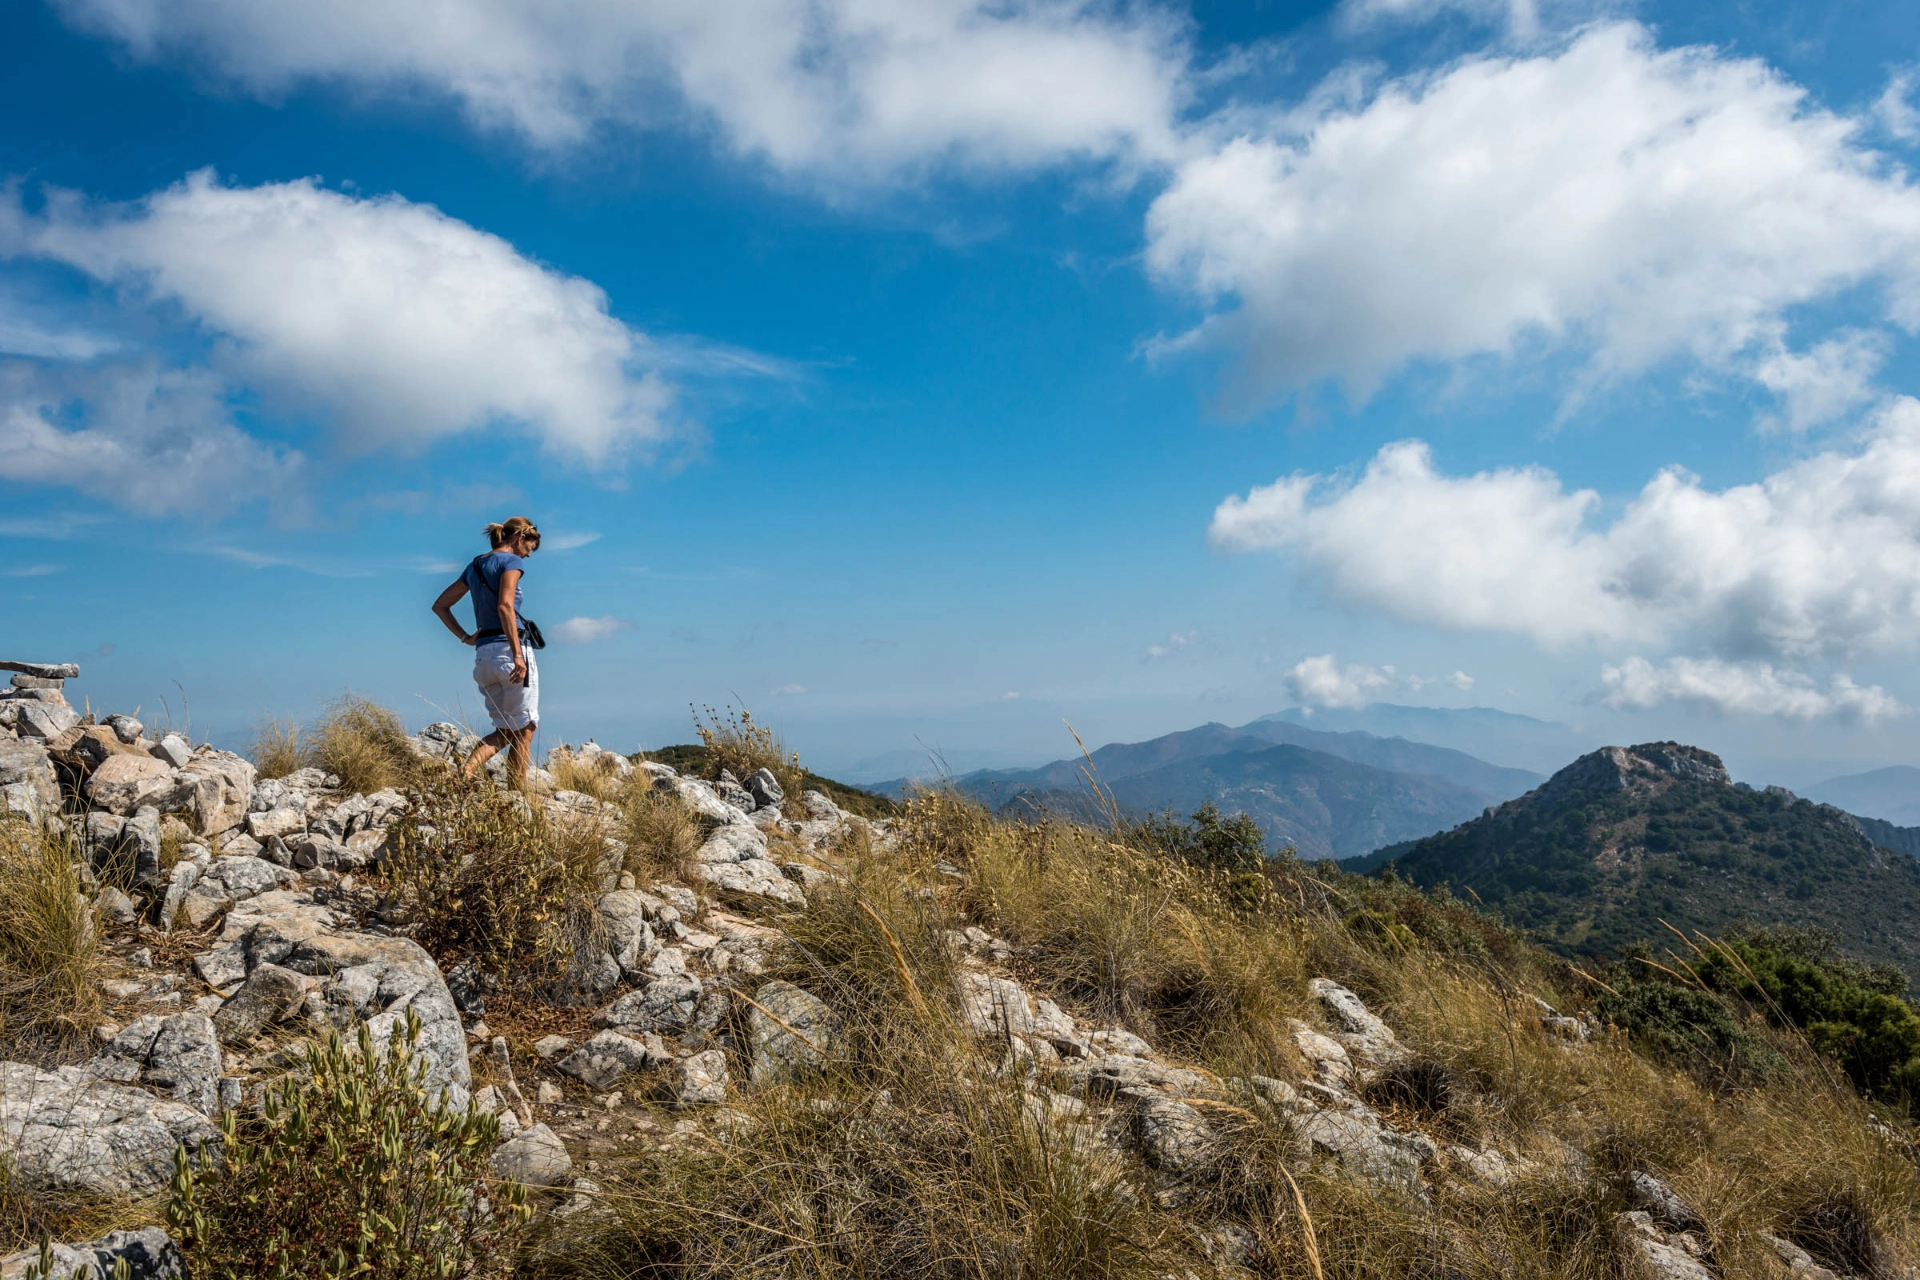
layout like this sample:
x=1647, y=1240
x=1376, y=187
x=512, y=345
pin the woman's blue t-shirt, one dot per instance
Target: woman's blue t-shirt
x=483, y=582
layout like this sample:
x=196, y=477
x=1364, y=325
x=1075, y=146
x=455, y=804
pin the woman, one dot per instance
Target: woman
x=503, y=665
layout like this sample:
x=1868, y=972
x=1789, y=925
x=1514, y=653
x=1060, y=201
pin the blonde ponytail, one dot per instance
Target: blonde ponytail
x=498, y=535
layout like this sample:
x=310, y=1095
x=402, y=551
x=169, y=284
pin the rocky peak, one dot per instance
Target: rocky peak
x=1650, y=764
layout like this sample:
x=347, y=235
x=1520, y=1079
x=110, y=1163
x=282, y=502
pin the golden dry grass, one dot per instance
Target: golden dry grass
x=278, y=749
x=908, y=1154
x=50, y=996
x=362, y=742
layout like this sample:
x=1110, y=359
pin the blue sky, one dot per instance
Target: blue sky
x=926, y=375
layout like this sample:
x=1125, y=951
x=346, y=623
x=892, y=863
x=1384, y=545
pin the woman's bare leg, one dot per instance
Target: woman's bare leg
x=518, y=751
x=484, y=751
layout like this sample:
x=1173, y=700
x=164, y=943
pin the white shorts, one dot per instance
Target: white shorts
x=510, y=705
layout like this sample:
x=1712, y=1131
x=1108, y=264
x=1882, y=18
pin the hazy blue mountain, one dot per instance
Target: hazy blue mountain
x=1517, y=741
x=1327, y=794
x=1892, y=794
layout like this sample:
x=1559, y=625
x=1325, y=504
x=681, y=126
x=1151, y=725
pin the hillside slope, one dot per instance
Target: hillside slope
x=1625, y=838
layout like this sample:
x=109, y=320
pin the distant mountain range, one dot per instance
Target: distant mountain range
x=1328, y=794
x=1499, y=736
x=1891, y=795
x=1624, y=839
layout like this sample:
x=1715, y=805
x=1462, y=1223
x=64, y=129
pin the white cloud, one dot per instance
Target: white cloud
x=1623, y=202
x=1520, y=17
x=788, y=691
x=567, y=541
x=30, y=570
x=1834, y=377
x=150, y=440
x=588, y=630
x=1893, y=109
x=1461, y=681
x=1175, y=643
x=395, y=320
x=1822, y=556
x=1320, y=681
x=854, y=87
x=1750, y=688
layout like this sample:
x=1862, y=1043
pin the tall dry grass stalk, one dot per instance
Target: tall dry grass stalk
x=49, y=943
x=738, y=743
x=594, y=775
x=277, y=748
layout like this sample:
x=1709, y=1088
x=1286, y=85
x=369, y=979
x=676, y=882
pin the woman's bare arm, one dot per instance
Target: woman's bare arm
x=510, y=622
x=443, y=609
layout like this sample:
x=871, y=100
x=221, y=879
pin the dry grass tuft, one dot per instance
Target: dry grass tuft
x=659, y=832
x=594, y=775
x=277, y=748
x=364, y=743
x=49, y=943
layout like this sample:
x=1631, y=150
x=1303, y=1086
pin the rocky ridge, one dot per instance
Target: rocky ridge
x=284, y=945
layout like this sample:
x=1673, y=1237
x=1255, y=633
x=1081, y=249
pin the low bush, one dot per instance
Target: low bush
x=363, y=743
x=49, y=943
x=482, y=876
x=659, y=831
x=354, y=1168
x=1207, y=838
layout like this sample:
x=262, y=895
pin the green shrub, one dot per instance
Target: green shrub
x=351, y=1169
x=1848, y=1010
x=1690, y=1028
x=1208, y=839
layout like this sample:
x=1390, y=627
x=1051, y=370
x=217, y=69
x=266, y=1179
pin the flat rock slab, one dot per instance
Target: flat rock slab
x=149, y=1254
x=66, y=1131
x=789, y=1031
x=45, y=670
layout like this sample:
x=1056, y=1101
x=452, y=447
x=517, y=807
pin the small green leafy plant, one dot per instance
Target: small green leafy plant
x=352, y=1168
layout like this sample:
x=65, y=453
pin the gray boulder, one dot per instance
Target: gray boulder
x=1171, y=1135
x=64, y=1130
x=664, y=1005
x=630, y=940
x=1370, y=1151
x=178, y=1055
x=788, y=1032
x=603, y=1060
x=699, y=1080
x=534, y=1157
x=270, y=994
x=125, y=728
x=1361, y=1032
x=764, y=789
x=43, y=720
x=149, y=1254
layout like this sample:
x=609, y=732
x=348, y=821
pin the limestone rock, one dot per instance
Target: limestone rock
x=125, y=782
x=700, y=1080
x=697, y=796
x=149, y=1254
x=763, y=787
x=993, y=1007
x=1327, y=1057
x=535, y=1157
x=753, y=883
x=222, y=790
x=1118, y=1073
x=1171, y=1135
x=173, y=749
x=664, y=1005
x=1371, y=1151
x=1361, y=1031
x=603, y=1060
x=44, y=720
x=1659, y=1259
x=630, y=939
x=179, y=1055
x=66, y=1131
x=125, y=728
x=788, y=1030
